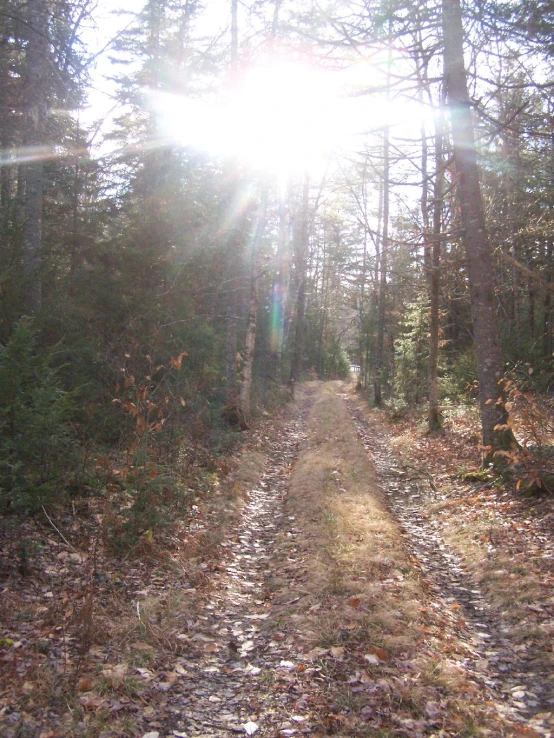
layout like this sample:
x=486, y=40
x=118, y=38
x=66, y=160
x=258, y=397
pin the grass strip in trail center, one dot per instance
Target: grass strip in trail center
x=344, y=589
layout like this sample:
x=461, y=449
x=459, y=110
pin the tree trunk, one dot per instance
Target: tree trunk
x=249, y=346
x=231, y=348
x=362, y=379
x=280, y=292
x=382, y=296
x=36, y=72
x=547, y=315
x=433, y=281
x=231, y=393
x=531, y=292
x=302, y=238
x=495, y=432
x=252, y=319
x=510, y=189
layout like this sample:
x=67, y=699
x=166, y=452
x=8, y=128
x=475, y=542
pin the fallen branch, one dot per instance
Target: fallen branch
x=421, y=474
x=58, y=531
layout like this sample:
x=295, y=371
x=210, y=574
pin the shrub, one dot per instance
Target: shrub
x=36, y=441
x=412, y=353
x=458, y=382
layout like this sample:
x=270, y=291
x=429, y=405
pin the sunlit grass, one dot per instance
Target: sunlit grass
x=364, y=591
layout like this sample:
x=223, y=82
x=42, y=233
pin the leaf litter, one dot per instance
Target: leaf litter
x=314, y=614
x=486, y=632
x=244, y=681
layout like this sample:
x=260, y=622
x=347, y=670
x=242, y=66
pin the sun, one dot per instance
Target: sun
x=280, y=117
x=288, y=118
x=285, y=117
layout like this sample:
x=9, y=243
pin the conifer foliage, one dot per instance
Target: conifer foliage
x=160, y=280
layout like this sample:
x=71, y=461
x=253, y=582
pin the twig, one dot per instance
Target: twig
x=58, y=531
x=421, y=474
x=529, y=272
x=221, y=726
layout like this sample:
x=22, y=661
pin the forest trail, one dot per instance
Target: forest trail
x=237, y=671
x=334, y=616
x=333, y=605
x=523, y=677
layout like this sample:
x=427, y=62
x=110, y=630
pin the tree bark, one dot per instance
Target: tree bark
x=381, y=268
x=547, y=307
x=495, y=432
x=302, y=238
x=36, y=74
x=382, y=295
x=249, y=346
x=431, y=245
x=280, y=292
x=433, y=281
x=252, y=319
x=231, y=388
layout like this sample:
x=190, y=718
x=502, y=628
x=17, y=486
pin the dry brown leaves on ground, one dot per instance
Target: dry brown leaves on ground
x=353, y=588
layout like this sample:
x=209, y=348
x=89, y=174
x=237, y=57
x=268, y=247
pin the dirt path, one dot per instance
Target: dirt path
x=522, y=679
x=233, y=663
x=328, y=608
x=331, y=617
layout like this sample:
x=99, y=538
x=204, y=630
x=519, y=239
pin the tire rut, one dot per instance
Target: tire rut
x=232, y=660
x=524, y=687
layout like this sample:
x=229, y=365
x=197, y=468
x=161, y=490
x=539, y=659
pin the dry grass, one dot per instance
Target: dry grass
x=81, y=647
x=362, y=596
x=505, y=539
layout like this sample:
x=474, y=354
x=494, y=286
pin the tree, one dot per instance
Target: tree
x=433, y=260
x=383, y=259
x=495, y=432
x=252, y=316
x=301, y=244
x=37, y=65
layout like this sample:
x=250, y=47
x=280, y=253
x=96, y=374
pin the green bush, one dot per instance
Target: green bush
x=412, y=354
x=36, y=442
x=458, y=382
x=336, y=364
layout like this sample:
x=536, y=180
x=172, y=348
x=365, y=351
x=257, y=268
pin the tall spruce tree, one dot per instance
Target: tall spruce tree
x=495, y=431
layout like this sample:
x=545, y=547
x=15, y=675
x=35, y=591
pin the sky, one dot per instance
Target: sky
x=103, y=29
x=282, y=117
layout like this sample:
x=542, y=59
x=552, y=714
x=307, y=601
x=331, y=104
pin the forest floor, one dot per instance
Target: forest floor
x=340, y=579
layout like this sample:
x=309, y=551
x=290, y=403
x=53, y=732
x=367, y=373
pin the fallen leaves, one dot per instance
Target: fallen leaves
x=371, y=658
x=91, y=701
x=380, y=653
x=252, y=659
x=85, y=684
x=316, y=653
